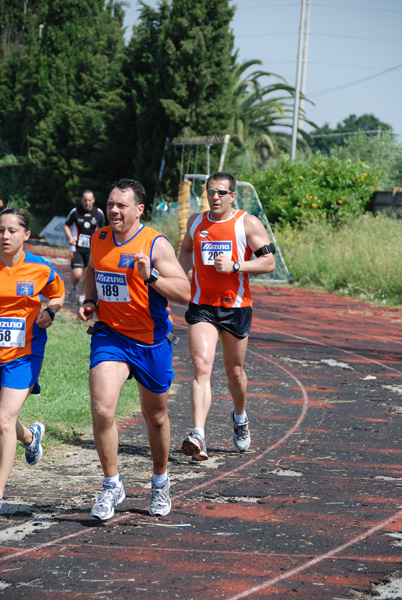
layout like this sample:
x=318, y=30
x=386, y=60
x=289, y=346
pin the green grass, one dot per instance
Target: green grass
x=361, y=258
x=64, y=402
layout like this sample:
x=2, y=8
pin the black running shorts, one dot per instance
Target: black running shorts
x=236, y=321
x=80, y=258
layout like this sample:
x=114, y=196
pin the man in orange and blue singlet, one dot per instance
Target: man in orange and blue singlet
x=219, y=245
x=132, y=273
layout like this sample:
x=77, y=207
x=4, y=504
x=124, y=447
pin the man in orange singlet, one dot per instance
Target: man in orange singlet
x=132, y=273
x=219, y=245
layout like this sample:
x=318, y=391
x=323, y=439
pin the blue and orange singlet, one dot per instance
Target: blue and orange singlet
x=21, y=290
x=211, y=238
x=125, y=303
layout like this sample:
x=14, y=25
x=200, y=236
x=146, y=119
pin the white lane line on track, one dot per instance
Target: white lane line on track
x=311, y=341
x=196, y=487
x=269, y=448
x=285, y=316
x=318, y=559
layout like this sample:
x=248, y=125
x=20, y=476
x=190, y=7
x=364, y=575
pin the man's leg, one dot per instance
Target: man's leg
x=76, y=275
x=202, y=340
x=234, y=352
x=105, y=382
x=154, y=409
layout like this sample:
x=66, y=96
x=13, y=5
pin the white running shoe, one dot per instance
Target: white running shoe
x=241, y=435
x=34, y=452
x=110, y=497
x=160, y=501
x=194, y=445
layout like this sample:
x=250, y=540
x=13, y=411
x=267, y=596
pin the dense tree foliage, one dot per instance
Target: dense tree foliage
x=63, y=74
x=180, y=73
x=79, y=108
x=326, y=138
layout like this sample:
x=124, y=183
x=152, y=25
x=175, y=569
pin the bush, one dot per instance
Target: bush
x=318, y=188
x=383, y=154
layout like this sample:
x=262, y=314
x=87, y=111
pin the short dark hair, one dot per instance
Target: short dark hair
x=87, y=191
x=21, y=215
x=219, y=175
x=140, y=195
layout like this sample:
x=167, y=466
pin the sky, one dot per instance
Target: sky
x=354, y=53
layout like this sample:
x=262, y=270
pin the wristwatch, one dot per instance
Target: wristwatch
x=153, y=277
x=236, y=267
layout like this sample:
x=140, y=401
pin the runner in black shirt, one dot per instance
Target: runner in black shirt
x=80, y=224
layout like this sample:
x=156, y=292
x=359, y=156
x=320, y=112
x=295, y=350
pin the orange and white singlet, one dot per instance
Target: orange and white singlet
x=211, y=238
x=125, y=303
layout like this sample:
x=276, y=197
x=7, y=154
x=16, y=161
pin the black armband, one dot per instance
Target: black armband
x=50, y=311
x=265, y=250
x=88, y=300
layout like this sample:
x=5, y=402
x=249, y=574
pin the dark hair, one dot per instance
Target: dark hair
x=87, y=191
x=21, y=215
x=138, y=189
x=219, y=175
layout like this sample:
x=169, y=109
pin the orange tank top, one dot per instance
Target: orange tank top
x=125, y=303
x=211, y=238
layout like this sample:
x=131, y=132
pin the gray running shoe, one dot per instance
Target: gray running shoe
x=194, y=445
x=72, y=295
x=160, y=502
x=241, y=435
x=110, y=497
x=33, y=452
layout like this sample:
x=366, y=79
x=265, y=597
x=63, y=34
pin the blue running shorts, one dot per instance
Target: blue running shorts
x=150, y=365
x=21, y=373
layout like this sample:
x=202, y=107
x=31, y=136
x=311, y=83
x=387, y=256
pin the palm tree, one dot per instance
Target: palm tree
x=263, y=113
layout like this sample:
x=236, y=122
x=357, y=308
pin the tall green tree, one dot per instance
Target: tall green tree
x=20, y=27
x=180, y=72
x=67, y=80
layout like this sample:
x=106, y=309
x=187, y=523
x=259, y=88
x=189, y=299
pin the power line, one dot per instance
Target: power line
x=366, y=9
x=324, y=64
x=345, y=85
x=319, y=6
x=326, y=35
x=353, y=37
x=377, y=131
x=268, y=6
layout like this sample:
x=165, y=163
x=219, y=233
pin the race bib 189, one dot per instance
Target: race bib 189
x=12, y=332
x=112, y=287
x=210, y=250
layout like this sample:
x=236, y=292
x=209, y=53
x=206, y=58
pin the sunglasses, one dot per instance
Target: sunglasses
x=212, y=192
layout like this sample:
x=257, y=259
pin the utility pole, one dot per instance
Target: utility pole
x=298, y=81
x=304, y=58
